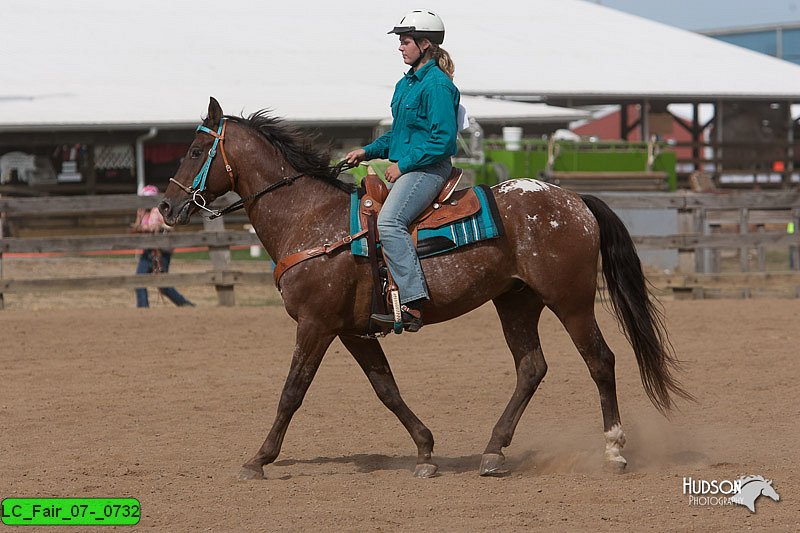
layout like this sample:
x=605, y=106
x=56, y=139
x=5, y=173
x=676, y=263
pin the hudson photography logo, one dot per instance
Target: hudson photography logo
x=743, y=491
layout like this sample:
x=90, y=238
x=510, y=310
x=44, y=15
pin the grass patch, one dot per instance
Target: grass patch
x=236, y=255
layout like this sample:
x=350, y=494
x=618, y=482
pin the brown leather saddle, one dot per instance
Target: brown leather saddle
x=450, y=205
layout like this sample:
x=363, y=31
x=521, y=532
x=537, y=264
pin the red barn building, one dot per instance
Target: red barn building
x=609, y=126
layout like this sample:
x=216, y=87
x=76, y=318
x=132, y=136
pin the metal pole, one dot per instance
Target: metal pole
x=140, y=157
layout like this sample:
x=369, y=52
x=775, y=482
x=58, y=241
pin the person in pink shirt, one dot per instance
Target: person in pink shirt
x=154, y=261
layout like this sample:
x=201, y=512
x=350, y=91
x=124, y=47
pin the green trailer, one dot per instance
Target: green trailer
x=578, y=164
x=595, y=165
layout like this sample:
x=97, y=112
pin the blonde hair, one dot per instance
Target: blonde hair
x=443, y=60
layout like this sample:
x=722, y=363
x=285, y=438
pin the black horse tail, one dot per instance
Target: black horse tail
x=642, y=321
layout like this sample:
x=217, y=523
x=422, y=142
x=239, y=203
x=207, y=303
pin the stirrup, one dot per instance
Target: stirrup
x=409, y=322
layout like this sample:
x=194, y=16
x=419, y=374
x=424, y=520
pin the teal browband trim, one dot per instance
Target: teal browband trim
x=199, y=183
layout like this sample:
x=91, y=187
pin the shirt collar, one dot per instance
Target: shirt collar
x=422, y=71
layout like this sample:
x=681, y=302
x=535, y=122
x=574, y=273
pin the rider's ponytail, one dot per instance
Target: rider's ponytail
x=444, y=60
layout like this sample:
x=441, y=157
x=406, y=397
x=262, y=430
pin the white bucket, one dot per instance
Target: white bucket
x=255, y=250
x=512, y=135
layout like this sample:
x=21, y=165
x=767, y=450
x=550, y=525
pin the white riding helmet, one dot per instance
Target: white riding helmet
x=421, y=25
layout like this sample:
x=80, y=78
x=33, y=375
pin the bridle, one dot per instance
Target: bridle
x=199, y=183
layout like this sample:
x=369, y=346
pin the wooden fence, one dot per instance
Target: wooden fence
x=700, y=242
x=213, y=237
x=745, y=223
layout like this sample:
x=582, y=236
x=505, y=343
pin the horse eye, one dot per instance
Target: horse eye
x=195, y=153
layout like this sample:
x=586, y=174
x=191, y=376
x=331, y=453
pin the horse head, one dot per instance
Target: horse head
x=203, y=175
x=769, y=491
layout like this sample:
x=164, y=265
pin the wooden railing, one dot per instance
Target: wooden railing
x=700, y=240
x=755, y=222
x=214, y=237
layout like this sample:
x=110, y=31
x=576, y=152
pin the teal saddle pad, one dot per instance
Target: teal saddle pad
x=485, y=224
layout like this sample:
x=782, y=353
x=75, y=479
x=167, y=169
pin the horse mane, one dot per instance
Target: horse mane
x=748, y=479
x=296, y=146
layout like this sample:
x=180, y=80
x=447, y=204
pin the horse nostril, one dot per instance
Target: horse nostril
x=164, y=208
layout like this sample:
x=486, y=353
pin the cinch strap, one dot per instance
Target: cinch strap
x=291, y=260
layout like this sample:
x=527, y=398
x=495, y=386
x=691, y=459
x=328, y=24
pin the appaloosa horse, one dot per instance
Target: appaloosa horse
x=546, y=258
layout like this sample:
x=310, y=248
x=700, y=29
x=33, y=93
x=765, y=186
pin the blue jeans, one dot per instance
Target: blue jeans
x=408, y=197
x=147, y=264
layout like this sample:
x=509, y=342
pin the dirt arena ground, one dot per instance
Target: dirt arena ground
x=101, y=399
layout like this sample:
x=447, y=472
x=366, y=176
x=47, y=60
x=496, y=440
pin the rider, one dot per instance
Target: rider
x=419, y=145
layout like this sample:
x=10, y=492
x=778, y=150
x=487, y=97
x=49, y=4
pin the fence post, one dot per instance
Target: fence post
x=744, y=251
x=686, y=226
x=794, y=250
x=761, y=251
x=716, y=256
x=2, y=294
x=2, y=223
x=701, y=259
x=221, y=260
x=690, y=260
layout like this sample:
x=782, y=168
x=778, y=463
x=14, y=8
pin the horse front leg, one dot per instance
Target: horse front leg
x=370, y=357
x=311, y=345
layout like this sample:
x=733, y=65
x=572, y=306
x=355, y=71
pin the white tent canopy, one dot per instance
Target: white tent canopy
x=92, y=62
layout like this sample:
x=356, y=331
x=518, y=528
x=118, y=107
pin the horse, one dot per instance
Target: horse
x=751, y=488
x=547, y=257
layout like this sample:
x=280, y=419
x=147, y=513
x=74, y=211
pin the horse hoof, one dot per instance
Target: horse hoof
x=491, y=464
x=616, y=465
x=425, y=470
x=251, y=472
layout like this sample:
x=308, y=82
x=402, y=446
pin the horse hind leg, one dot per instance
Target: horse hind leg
x=519, y=313
x=582, y=327
x=372, y=360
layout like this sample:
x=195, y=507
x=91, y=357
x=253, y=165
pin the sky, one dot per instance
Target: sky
x=710, y=14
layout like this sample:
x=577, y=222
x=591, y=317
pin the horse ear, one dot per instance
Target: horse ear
x=214, y=111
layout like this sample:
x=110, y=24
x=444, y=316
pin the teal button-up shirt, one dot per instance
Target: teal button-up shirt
x=424, y=111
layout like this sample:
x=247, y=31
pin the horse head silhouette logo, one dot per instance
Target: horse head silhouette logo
x=752, y=488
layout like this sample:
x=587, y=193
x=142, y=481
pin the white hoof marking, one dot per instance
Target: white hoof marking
x=615, y=441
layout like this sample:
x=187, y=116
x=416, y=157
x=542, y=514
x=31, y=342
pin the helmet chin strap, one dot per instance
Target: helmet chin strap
x=422, y=53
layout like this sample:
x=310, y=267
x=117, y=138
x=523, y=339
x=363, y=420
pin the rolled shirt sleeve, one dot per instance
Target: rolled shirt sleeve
x=379, y=148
